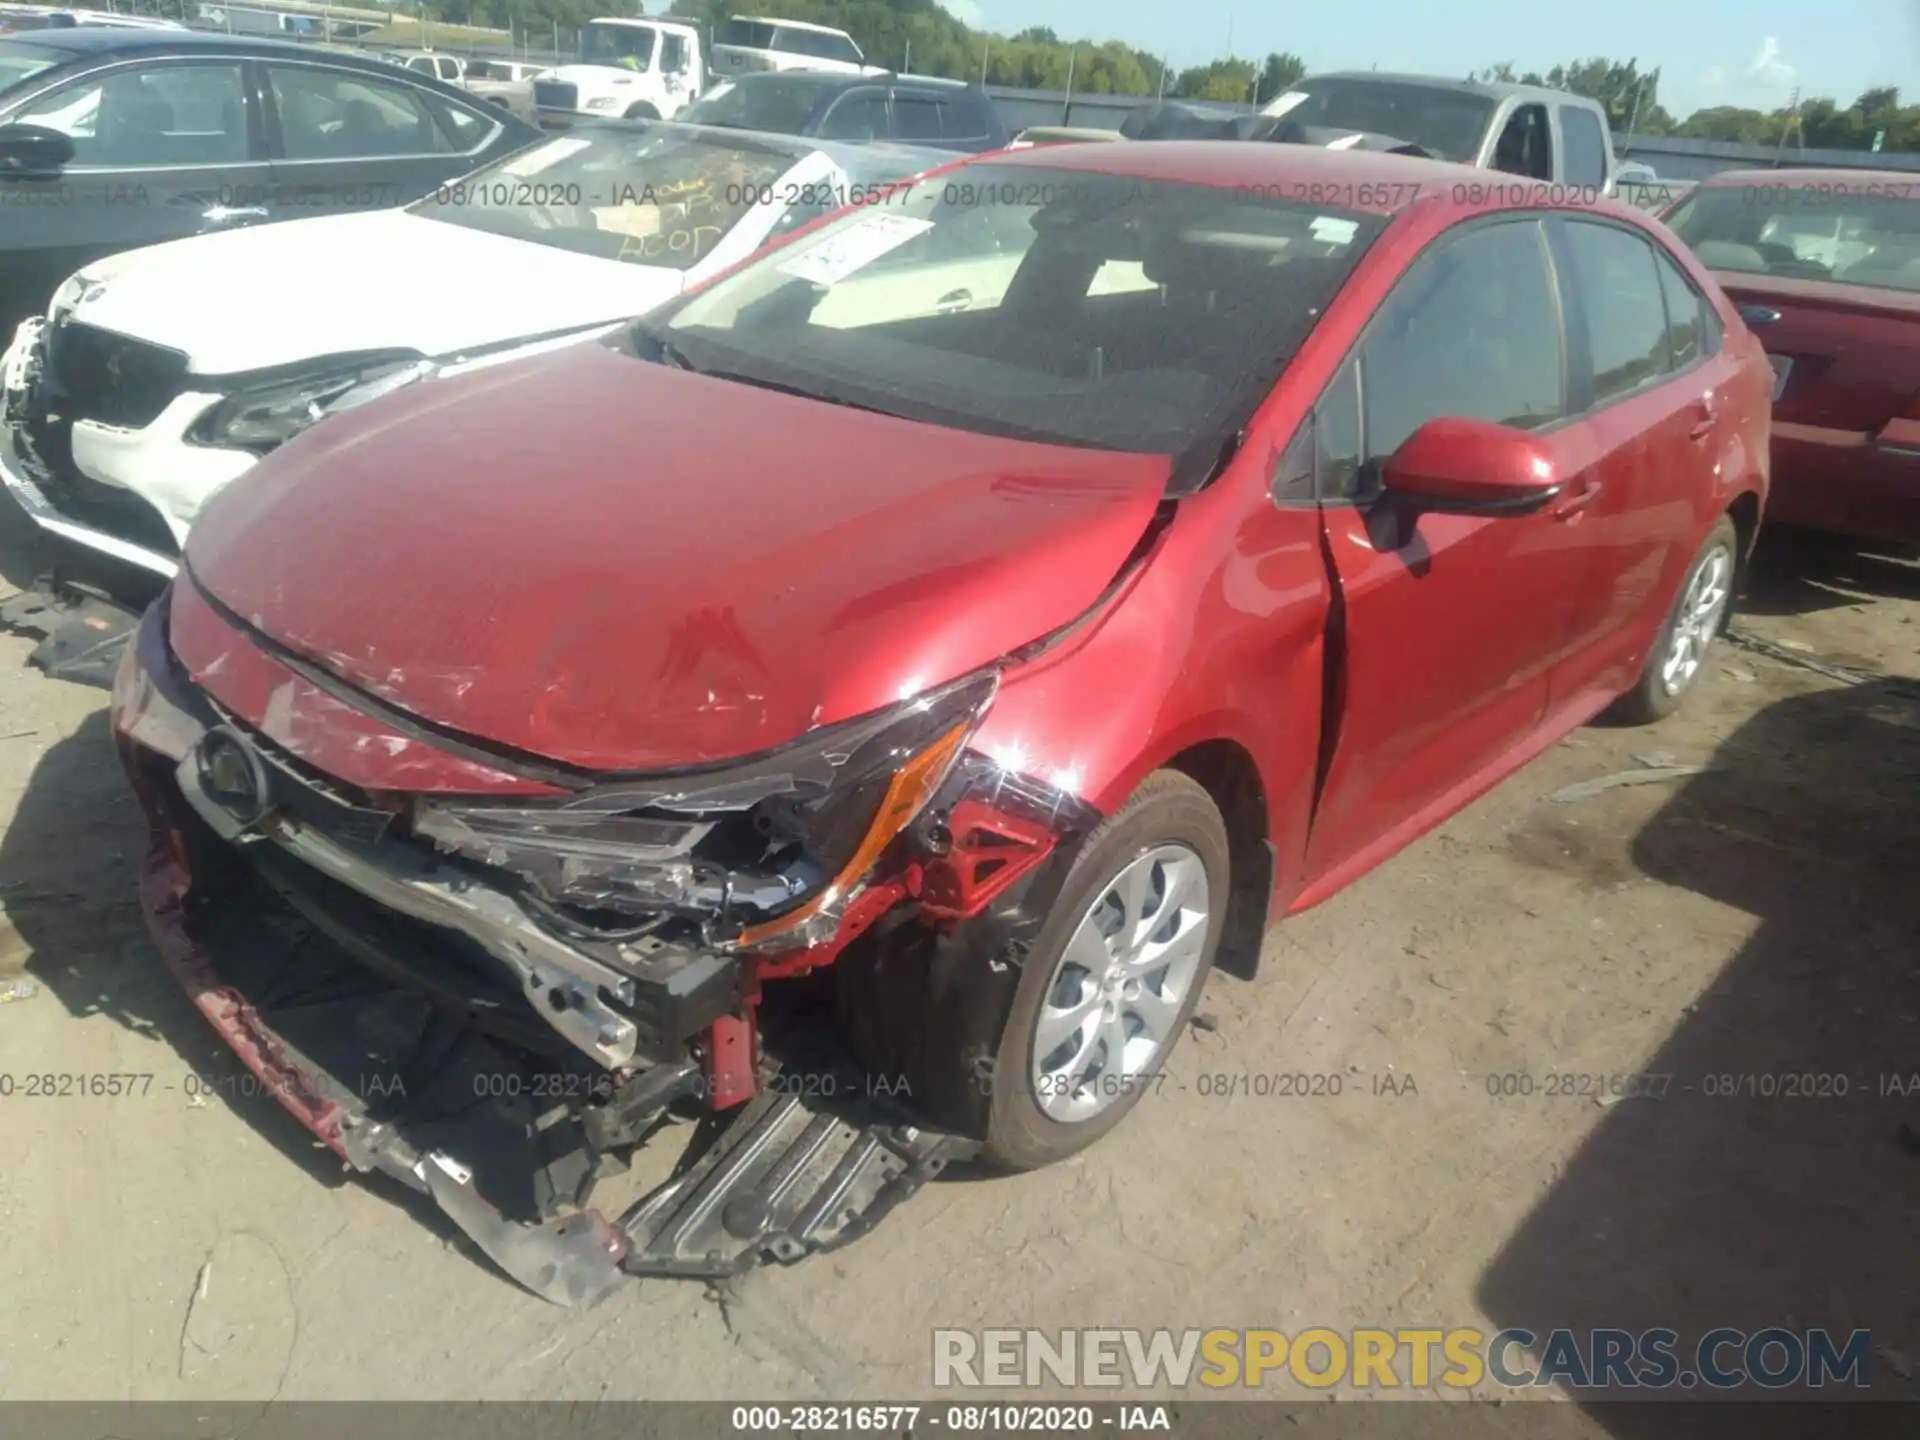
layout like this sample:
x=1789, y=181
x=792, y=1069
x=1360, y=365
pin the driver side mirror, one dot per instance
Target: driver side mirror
x=1456, y=466
x=33, y=151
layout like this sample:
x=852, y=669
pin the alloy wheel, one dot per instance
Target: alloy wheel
x=1698, y=619
x=1120, y=986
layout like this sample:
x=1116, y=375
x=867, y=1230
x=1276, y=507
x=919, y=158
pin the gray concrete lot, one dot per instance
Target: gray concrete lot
x=1757, y=919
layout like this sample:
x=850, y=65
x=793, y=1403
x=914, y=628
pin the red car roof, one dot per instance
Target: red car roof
x=1370, y=181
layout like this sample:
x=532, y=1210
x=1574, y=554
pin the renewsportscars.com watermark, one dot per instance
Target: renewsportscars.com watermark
x=1414, y=1359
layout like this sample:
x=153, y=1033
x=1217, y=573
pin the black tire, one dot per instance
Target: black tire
x=641, y=111
x=1650, y=699
x=1168, y=808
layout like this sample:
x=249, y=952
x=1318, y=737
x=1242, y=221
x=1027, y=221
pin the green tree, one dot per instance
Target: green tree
x=1281, y=70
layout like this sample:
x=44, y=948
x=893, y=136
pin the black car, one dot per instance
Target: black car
x=114, y=138
x=913, y=109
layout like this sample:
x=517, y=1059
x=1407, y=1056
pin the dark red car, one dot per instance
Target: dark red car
x=1825, y=266
x=1017, y=593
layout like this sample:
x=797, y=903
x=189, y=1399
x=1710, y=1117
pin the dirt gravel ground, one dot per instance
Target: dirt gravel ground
x=1758, y=919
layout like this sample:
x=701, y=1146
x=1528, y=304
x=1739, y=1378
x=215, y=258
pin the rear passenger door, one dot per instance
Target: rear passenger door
x=1650, y=388
x=1452, y=623
x=347, y=139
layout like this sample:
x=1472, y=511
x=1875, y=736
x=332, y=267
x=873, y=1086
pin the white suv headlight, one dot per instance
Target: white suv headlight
x=268, y=414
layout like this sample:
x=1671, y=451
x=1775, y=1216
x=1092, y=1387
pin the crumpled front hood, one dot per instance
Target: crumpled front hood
x=620, y=565
x=270, y=295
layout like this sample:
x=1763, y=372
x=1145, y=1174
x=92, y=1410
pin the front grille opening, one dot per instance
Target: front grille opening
x=98, y=375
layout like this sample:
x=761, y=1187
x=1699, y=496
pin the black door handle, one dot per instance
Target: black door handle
x=1759, y=314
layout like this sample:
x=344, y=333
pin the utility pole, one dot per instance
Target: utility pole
x=1163, y=78
x=907, y=65
x=986, y=44
x=1638, y=90
x=1066, y=111
x=1793, y=113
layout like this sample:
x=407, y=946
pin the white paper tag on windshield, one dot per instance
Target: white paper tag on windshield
x=543, y=157
x=855, y=247
x=1285, y=103
x=1331, y=230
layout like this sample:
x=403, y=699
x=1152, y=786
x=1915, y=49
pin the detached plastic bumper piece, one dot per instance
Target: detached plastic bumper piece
x=789, y=1176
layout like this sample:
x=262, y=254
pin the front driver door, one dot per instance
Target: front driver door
x=1451, y=623
x=163, y=149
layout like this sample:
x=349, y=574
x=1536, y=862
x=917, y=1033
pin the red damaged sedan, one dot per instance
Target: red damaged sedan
x=1015, y=594
x=1825, y=266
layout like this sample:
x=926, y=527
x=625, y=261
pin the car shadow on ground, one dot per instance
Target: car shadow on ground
x=71, y=860
x=1795, y=572
x=24, y=555
x=1768, y=1171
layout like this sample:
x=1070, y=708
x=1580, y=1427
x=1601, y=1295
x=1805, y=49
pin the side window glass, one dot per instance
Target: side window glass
x=915, y=118
x=1525, y=147
x=1586, y=146
x=1686, y=314
x=335, y=115
x=150, y=115
x=673, y=54
x=1473, y=330
x=467, y=128
x=1626, y=314
x=963, y=120
x=1336, y=431
x=856, y=117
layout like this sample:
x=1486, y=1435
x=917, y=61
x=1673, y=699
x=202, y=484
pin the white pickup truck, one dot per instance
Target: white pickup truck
x=747, y=43
x=626, y=69
x=1547, y=135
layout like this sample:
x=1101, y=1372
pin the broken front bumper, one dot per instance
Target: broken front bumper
x=134, y=485
x=410, y=1020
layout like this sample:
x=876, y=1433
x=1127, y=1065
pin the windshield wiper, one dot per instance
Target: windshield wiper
x=742, y=378
x=671, y=354
x=664, y=349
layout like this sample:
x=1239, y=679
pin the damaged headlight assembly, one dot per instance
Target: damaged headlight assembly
x=761, y=855
x=268, y=412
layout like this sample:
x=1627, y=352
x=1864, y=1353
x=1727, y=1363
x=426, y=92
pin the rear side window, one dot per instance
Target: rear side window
x=467, y=128
x=345, y=115
x=856, y=117
x=1586, y=146
x=915, y=117
x=1621, y=293
x=1525, y=147
x=1690, y=332
x=966, y=117
x=747, y=34
x=1472, y=330
x=817, y=45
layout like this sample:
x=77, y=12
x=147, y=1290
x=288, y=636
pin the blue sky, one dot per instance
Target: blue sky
x=1710, y=52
